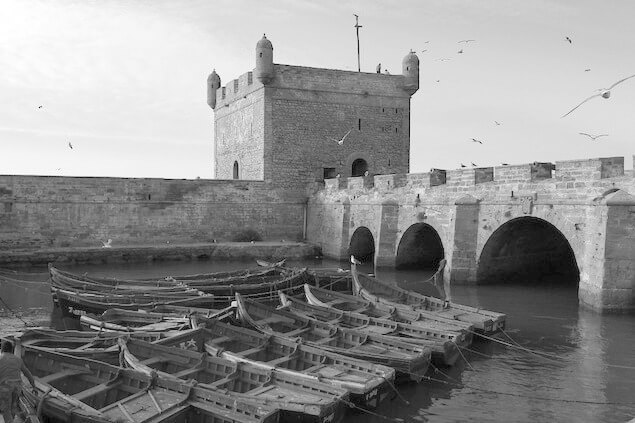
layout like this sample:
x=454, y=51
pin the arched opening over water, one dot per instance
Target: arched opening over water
x=420, y=248
x=359, y=167
x=528, y=250
x=362, y=245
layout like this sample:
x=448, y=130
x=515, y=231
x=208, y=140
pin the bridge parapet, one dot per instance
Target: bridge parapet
x=590, y=169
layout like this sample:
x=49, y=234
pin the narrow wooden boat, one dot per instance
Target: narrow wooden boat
x=459, y=332
x=264, y=263
x=121, y=320
x=408, y=360
x=91, y=391
x=368, y=383
x=299, y=399
x=74, y=303
x=485, y=322
x=444, y=351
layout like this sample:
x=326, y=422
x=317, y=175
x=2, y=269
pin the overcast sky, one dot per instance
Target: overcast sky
x=124, y=80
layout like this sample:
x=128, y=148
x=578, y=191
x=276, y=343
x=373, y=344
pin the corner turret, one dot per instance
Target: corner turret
x=264, y=60
x=410, y=71
x=213, y=84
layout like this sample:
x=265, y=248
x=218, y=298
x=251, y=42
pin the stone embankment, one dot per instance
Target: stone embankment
x=140, y=253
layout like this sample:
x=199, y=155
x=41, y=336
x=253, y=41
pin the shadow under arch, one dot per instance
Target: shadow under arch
x=362, y=245
x=420, y=247
x=528, y=250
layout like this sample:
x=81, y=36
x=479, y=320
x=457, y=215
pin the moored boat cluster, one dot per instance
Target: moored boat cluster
x=261, y=345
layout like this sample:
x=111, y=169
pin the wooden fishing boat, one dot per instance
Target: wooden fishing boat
x=299, y=399
x=485, y=322
x=444, y=351
x=368, y=383
x=458, y=332
x=121, y=320
x=408, y=360
x=74, y=389
x=77, y=294
x=264, y=263
x=74, y=303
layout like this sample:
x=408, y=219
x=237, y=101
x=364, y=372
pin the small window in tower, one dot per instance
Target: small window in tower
x=407, y=68
x=359, y=124
x=396, y=130
x=396, y=110
x=383, y=110
x=388, y=162
x=149, y=197
x=260, y=54
x=329, y=172
x=236, y=174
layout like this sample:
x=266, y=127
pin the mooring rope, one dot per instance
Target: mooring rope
x=372, y=413
x=490, y=391
x=11, y=310
x=465, y=359
x=394, y=388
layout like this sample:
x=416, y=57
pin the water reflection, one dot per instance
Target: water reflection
x=582, y=357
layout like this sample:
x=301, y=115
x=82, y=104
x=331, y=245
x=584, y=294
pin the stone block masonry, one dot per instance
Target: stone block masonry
x=43, y=212
x=494, y=223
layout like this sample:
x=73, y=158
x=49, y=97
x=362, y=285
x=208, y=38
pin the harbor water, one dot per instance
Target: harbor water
x=556, y=362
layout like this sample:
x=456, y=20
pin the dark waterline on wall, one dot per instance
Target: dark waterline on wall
x=582, y=369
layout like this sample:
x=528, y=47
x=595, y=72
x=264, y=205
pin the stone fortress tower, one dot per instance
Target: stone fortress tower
x=280, y=123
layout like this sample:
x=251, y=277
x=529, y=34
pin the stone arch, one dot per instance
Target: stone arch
x=362, y=245
x=236, y=170
x=527, y=250
x=420, y=247
x=359, y=167
x=355, y=157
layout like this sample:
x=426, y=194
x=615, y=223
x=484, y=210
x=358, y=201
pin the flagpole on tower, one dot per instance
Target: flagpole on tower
x=357, y=27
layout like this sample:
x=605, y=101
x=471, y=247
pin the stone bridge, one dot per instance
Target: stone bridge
x=572, y=221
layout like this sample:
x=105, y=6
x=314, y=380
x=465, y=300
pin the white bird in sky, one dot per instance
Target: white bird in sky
x=70, y=145
x=443, y=59
x=340, y=141
x=107, y=244
x=603, y=92
x=593, y=137
x=497, y=123
x=466, y=41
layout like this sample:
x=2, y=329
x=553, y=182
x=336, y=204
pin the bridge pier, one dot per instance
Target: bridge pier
x=462, y=257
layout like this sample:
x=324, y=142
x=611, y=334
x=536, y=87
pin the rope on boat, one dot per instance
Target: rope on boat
x=476, y=352
x=11, y=310
x=460, y=384
x=8, y=279
x=372, y=413
x=394, y=388
x=465, y=359
x=18, y=284
x=555, y=357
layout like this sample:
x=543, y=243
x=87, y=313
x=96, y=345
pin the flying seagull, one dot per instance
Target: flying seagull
x=460, y=51
x=466, y=41
x=443, y=60
x=70, y=145
x=587, y=70
x=505, y=164
x=39, y=107
x=423, y=51
x=497, y=123
x=593, y=137
x=478, y=141
x=474, y=164
x=604, y=92
x=568, y=39
x=340, y=141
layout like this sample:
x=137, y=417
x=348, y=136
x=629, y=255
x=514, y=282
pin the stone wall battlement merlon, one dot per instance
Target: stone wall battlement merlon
x=571, y=174
x=332, y=80
x=237, y=89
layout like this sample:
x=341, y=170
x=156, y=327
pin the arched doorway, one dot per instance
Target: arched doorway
x=359, y=167
x=420, y=248
x=528, y=250
x=362, y=245
x=236, y=173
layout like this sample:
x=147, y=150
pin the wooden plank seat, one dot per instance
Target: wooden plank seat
x=98, y=389
x=61, y=375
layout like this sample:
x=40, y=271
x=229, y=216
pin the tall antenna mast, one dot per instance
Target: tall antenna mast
x=357, y=27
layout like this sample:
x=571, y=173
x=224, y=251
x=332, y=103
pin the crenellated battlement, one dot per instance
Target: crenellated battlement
x=564, y=174
x=237, y=89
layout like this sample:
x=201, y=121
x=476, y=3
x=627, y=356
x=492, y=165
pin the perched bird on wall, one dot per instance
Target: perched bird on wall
x=478, y=141
x=355, y=261
x=340, y=141
x=70, y=145
x=386, y=72
x=378, y=68
x=460, y=51
x=504, y=164
x=568, y=39
x=337, y=176
x=593, y=137
x=603, y=92
x=366, y=173
x=462, y=165
x=107, y=244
